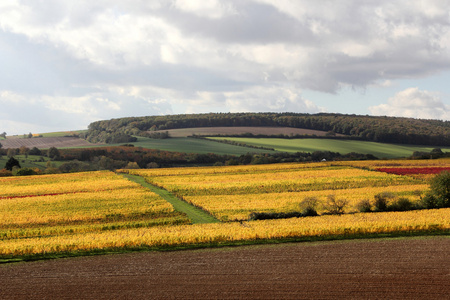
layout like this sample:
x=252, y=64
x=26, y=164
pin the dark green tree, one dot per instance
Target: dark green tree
x=53, y=153
x=35, y=151
x=440, y=190
x=12, y=162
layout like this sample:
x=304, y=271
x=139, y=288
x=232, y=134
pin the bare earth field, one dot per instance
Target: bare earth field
x=403, y=268
x=184, y=132
x=44, y=142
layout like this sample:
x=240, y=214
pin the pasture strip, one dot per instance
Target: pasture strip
x=197, y=215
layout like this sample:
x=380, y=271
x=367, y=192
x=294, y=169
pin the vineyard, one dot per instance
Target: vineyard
x=53, y=206
x=233, y=193
x=72, y=214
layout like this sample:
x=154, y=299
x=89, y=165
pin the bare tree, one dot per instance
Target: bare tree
x=335, y=206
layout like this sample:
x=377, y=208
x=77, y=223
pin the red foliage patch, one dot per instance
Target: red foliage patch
x=410, y=171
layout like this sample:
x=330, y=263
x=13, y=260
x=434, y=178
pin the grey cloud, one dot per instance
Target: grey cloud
x=254, y=23
x=147, y=57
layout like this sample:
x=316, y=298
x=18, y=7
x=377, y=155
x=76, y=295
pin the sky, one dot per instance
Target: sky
x=65, y=64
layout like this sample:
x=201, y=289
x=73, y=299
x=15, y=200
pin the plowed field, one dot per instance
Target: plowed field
x=406, y=268
x=184, y=132
x=45, y=142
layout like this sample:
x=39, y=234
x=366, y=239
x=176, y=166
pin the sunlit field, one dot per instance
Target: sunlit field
x=82, y=213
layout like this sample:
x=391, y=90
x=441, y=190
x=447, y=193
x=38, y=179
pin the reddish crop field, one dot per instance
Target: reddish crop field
x=403, y=268
x=413, y=171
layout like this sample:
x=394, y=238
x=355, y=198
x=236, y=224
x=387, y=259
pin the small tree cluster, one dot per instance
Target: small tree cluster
x=439, y=194
x=308, y=208
x=385, y=201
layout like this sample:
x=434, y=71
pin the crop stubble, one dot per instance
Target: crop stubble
x=405, y=268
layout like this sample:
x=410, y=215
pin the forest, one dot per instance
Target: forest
x=367, y=128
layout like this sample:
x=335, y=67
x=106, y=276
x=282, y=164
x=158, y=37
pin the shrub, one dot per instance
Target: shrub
x=401, y=204
x=25, y=172
x=132, y=165
x=440, y=189
x=429, y=201
x=382, y=200
x=364, y=206
x=4, y=173
x=274, y=215
x=309, y=206
x=335, y=206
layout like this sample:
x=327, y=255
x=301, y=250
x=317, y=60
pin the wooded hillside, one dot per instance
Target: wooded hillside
x=369, y=128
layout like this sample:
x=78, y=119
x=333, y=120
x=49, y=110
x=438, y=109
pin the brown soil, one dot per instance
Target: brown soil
x=45, y=142
x=414, y=268
x=184, y=132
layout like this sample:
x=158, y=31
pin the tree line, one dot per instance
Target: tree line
x=368, y=128
x=128, y=156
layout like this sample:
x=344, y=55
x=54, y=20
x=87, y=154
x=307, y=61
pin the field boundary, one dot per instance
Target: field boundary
x=197, y=215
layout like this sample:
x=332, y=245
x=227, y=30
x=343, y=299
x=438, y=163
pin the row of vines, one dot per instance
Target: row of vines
x=65, y=214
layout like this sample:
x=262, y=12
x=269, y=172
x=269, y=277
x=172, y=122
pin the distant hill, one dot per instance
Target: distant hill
x=368, y=128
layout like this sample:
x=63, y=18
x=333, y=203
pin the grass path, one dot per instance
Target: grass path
x=197, y=215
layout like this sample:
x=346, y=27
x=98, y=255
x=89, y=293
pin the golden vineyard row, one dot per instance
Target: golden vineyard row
x=62, y=184
x=184, y=235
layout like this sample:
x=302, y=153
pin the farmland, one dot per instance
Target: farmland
x=380, y=150
x=400, y=268
x=100, y=212
x=45, y=142
x=229, y=194
x=236, y=130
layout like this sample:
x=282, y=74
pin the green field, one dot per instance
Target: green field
x=380, y=150
x=32, y=161
x=190, y=145
x=62, y=133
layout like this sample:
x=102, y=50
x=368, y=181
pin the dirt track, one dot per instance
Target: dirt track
x=416, y=268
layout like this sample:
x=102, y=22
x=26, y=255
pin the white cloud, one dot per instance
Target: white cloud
x=264, y=99
x=116, y=58
x=27, y=113
x=414, y=103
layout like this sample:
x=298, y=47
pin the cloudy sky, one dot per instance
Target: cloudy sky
x=64, y=64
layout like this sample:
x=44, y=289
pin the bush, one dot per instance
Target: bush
x=382, y=201
x=25, y=172
x=364, y=206
x=335, y=206
x=5, y=173
x=132, y=165
x=429, y=201
x=274, y=215
x=401, y=204
x=440, y=189
x=309, y=206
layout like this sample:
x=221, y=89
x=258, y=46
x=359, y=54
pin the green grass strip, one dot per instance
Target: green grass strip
x=197, y=215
